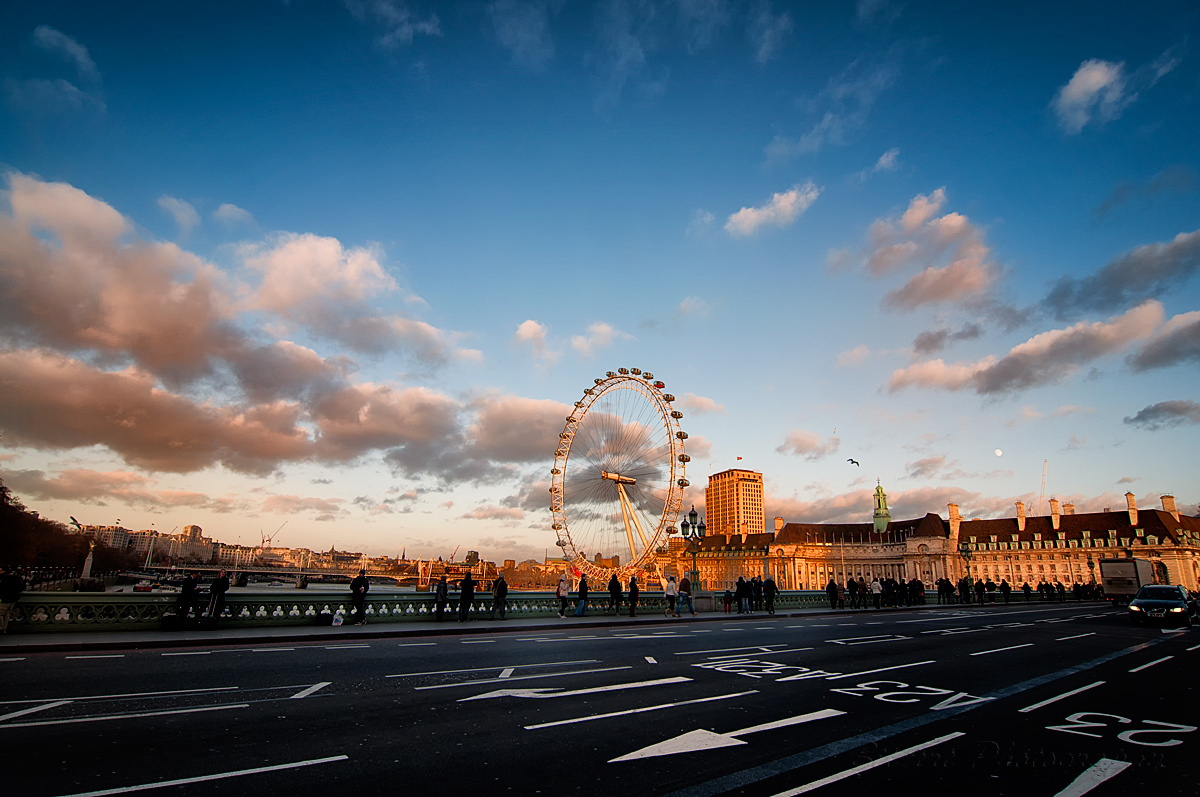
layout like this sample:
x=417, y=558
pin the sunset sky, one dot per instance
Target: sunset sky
x=347, y=265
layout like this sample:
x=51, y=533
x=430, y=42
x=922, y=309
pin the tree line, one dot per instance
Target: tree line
x=29, y=540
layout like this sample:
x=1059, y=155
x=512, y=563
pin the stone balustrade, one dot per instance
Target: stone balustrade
x=39, y=612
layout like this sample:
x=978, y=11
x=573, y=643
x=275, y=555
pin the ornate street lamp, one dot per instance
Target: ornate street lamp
x=964, y=550
x=693, y=533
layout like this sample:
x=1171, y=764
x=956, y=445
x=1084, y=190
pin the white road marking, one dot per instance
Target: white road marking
x=1093, y=776
x=881, y=669
x=517, y=678
x=190, y=653
x=415, y=644
x=555, y=692
x=100, y=656
x=508, y=671
x=1077, y=636
x=756, y=648
x=1057, y=698
x=124, y=716
x=707, y=740
x=651, y=660
x=887, y=759
x=701, y=631
x=868, y=640
x=638, y=710
x=345, y=647
x=34, y=709
x=742, y=655
x=14, y=658
x=133, y=694
x=1194, y=647
x=1151, y=664
x=732, y=629
x=487, y=669
x=203, y=778
x=270, y=650
x=310, y=690
x=1001, y=650
x=476, y=641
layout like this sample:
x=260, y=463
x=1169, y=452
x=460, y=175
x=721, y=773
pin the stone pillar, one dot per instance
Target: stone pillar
x=1054, y=513
x=1020, y=515
x=1131, y=505
x=1168, y=505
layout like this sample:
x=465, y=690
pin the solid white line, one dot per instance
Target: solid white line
x=1093, y=776
x=1000, y=650
x=133, y=694
x=345, y=647
x=476, y=641
x=310, y=690
x=100, y=656
x=638, y=710
x=651, y=660
x=33, y=709
x=881, y=669
x=203, y=778
x=887, y=759
x=507, y=672
x=14, y=658
x=415, y=644
x=270, y=650
x=1077, y=636
x=125, y=716
x=1151, y=664
x=1036, y=706
x=824, y=713
x=191, y=653
x=488, y=669
x=1194, y=647
x=518, y=678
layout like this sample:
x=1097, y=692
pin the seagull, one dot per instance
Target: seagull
x=855, y=462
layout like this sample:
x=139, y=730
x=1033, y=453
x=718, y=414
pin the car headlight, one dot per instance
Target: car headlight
x=1177, y=609
x=1133, y=608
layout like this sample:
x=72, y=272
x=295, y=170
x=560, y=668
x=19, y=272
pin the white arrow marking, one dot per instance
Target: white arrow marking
x=709, y=740
x=555, y=692
x=1096, y=774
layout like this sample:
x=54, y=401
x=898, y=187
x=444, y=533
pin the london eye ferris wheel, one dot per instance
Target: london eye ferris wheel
x=618, y=477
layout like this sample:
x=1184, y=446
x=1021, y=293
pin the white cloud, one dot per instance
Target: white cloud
x=802, y=443
x=694, y=306
x=768, y=31
x=230, y=214
x=700, y=224
x=184, y=214
x=398, y=24
x=1100, y=90
x=855, y=357
x=780, y=211
x=533, y=334
x=600, y=335
x=55, y=41
x=699, y=405
x=523, y=28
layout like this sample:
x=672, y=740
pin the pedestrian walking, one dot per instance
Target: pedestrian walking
x=727, y=598
x=756, y=594
x=672, y=593
x=466, y=599
x=741, y=592
x=582, y=589
x=358, y=597
x=186, y=600
x=499, y=596
x=216, y=600
x=685, y=595
x=876, y=592
x=11, y=587
x=831, y=591
x=441, y=595
x=563, y=593
x=614, y=595
x=633, y=596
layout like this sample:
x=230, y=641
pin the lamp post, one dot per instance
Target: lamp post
x=1091, y=568
x=693, y=532
x=964, y=550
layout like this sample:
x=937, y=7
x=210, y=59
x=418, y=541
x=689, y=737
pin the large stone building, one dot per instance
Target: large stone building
x=1062, y=546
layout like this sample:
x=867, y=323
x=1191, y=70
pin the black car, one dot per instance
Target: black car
x=1162, y=604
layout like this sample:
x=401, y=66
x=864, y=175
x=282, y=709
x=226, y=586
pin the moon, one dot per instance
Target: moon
x=999, y=453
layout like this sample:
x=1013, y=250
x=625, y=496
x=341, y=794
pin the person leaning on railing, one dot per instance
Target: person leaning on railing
x=11, y=587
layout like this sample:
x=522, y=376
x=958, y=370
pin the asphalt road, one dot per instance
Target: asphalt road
x=1027, y=699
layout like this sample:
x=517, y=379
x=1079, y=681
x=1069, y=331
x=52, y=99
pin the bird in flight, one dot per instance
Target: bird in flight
x=853, y=461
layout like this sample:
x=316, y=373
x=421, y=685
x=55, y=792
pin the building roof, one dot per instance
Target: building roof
x=799, y=533
x=1153, y=522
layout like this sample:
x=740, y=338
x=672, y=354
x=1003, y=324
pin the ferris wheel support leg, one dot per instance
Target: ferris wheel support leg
x=631, y=516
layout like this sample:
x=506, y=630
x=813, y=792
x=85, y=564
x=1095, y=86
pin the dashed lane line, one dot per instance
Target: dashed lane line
x=217, y=776
x=887, y=759
x=1001, y=650
x=1057, y=698
x=106, y=717
x=880, y=669
x=1077, y=636
x=168, y=693
x=489, y=669
x=518, y=678
x=1151, y=664
x=99, y=656
x=14, y=658
x=345, y=647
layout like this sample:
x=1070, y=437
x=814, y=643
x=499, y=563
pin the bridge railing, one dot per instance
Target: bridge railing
x=41, y=612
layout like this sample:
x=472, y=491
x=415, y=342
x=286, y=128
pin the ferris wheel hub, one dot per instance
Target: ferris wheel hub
x=618, y=478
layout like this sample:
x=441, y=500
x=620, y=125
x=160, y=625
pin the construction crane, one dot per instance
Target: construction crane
x=456, y=547
x=1042, y=495
x=267, y=541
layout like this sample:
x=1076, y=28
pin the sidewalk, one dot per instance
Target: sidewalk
x=155, y=638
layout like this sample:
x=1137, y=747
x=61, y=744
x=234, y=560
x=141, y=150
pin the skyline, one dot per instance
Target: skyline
x=348, y=265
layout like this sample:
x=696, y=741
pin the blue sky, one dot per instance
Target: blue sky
x=348, y=264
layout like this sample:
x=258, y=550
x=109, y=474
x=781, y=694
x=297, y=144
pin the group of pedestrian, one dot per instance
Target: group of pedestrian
x=880, y=593
x=189, y=599
x=751, y=596
x=615, y=596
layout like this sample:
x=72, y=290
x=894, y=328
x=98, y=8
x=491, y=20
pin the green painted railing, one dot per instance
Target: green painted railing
x=38, y=612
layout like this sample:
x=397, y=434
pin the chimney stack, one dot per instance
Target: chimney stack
x=1131, y=504
x=1068, y=509
x=778, y=525
x=1054, y=513
x=1168, y=503
x=955, y=519
x=1020, y=515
